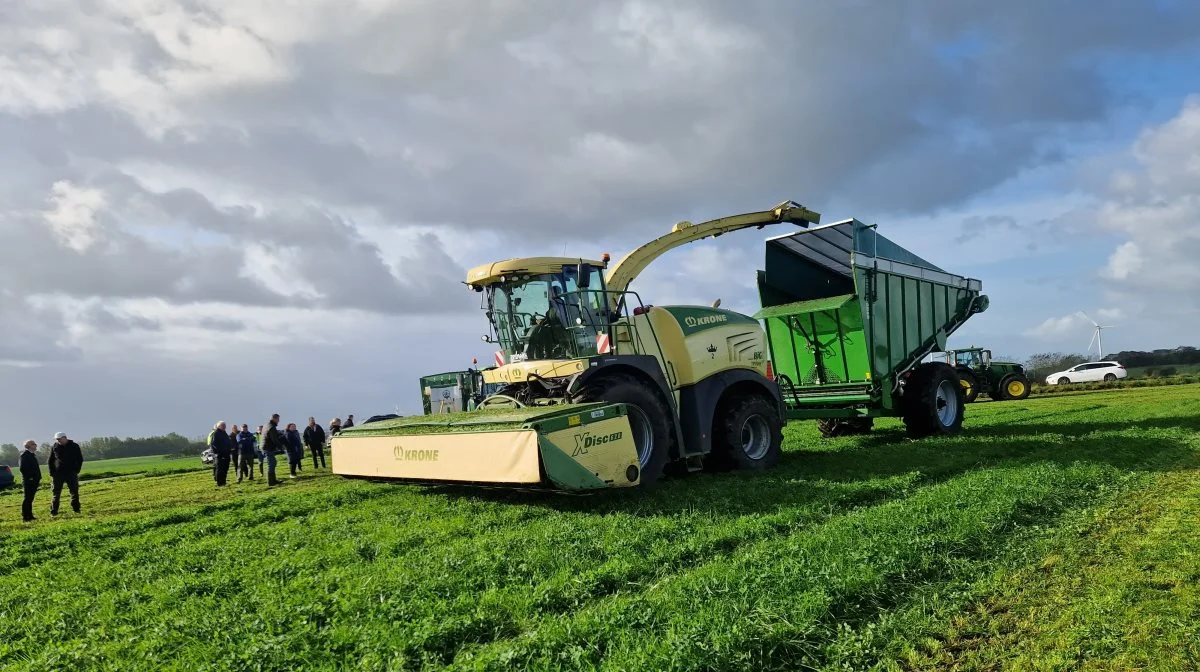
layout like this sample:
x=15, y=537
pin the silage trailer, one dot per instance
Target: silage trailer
x=849, y=317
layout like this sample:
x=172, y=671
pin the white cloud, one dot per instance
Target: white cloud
x=1056, y=327
x=72, y=216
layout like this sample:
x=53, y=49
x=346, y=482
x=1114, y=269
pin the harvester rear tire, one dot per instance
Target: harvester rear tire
x=933, y=401
x=644, y=406
x=752, y=433
x=970, y=385
x=833, y=427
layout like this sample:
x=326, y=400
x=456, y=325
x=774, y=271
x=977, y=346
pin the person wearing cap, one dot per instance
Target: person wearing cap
x=31, y=478
x=66, y=459
x=273, y=444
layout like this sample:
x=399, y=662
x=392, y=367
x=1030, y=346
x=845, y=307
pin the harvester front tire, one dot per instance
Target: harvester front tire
x=645, y=407
x=834, y=427
x=752, y=433
x=970, y=386
x=933, y=401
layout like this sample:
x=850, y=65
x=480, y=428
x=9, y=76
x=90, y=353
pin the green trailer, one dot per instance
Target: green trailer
x=849, y=317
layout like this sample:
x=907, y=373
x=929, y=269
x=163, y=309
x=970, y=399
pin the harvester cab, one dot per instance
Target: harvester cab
x=980, y=374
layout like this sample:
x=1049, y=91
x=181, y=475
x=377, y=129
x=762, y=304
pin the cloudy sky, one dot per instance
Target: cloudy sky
x=222, y=209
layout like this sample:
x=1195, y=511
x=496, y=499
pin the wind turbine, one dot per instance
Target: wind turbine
x=1096, y=336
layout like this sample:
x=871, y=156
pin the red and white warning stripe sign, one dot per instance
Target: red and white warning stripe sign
x=602, y=344
x=499, y=358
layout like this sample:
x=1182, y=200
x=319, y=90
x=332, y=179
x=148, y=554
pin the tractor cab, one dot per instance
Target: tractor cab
x=972, y=358
x=544, y=308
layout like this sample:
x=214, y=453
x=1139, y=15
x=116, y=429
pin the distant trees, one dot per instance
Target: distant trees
x=108, y=447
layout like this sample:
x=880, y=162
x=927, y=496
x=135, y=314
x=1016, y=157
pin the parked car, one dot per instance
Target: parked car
x=1088, y=372
x=6, y=476
x=208, y=456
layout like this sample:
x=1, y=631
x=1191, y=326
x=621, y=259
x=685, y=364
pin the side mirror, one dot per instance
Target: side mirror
x=583, y=275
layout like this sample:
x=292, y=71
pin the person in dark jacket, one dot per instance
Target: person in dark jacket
x=31, y=478
x=66, y=459
x=295, y=448
x=349, y=421
x=273, y=444
x=314, y=438
x=233, y=454
x=222, y=445
x=245, y=448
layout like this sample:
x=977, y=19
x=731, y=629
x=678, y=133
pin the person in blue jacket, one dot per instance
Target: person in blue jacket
x=245, y=444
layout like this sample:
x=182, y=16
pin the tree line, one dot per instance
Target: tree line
x=108, y=447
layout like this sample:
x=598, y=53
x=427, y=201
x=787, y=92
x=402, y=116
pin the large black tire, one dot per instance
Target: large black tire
x=751, y=432
x=1014, y=387
x=833, y=427
x=933, y=401
x=970, y=385
x=649, y=418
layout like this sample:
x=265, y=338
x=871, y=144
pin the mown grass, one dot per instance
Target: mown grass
x=148, y=464
x=854, y=553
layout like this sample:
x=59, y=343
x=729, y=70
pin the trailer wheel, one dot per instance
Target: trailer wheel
x=648, y=419
x=752, y=433
x=970, y=385
x=833, y=427
x=1014, y=386
x=933, y=401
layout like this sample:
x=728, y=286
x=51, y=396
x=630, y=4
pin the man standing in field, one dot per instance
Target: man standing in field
x=66, y=459
x=222, y=445
x=314, y=438
x=245, y=448
x=273, y=444
x=31, y=478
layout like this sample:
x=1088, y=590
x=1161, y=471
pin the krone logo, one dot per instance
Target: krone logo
x=586, y=440
x=692, y=322
x=414, y=455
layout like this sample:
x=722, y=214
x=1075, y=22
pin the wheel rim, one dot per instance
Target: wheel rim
x=643, y=434
x=966, y=387
x=756, y=437
x=947, y=403
x=1016, y=388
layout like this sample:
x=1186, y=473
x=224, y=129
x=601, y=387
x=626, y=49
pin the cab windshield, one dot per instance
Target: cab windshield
x=548, y=316
x=972, y=358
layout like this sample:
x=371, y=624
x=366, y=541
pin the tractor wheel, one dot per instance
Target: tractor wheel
x=1014, y=386
x=751, y=432
x=649, y=419
x=833, y=427
x=933, y=401
x=970, y=385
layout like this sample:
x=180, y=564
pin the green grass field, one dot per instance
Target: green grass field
x=150, y=464
x=1055, y=533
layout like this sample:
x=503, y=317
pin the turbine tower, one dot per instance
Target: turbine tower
x=1096, y=335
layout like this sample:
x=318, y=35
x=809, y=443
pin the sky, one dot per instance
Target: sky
x=218, y=210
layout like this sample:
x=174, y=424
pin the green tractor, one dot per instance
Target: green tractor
x=1002, y=381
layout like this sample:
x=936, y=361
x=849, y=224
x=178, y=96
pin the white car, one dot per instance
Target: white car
x=1088, y=372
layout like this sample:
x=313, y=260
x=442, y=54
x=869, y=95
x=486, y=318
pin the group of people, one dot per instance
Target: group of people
x=241, y=447
x=66, y=459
